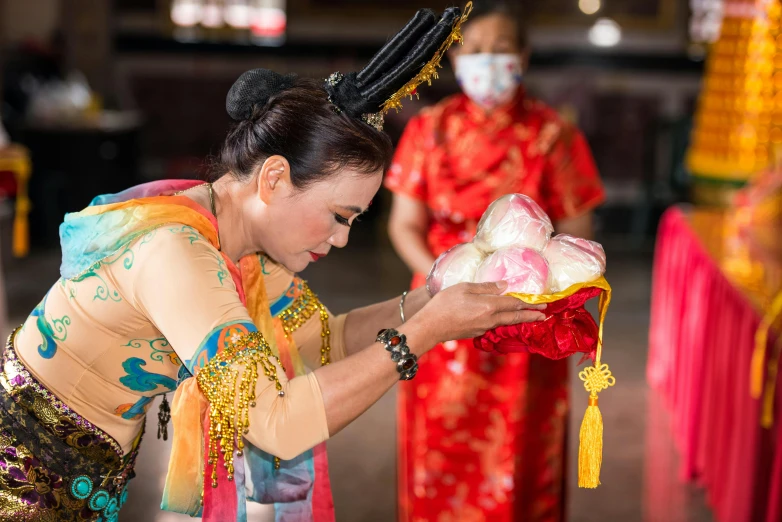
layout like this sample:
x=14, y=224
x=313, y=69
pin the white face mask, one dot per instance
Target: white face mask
x=490, y=80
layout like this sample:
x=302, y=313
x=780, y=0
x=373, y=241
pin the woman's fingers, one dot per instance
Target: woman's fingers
x=519, y=316
x=507, y=303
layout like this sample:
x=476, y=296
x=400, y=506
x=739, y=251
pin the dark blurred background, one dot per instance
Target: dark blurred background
x=107, y=94
x=154, y=90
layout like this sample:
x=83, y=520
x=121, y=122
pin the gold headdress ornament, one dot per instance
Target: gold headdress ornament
x=429, y=71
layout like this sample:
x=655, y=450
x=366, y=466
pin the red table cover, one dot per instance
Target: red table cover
x=703, y=322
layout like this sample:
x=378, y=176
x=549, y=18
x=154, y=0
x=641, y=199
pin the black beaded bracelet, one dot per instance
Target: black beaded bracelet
x=396, y=343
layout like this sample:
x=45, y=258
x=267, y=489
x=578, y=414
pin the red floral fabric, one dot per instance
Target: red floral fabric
x=568, y=329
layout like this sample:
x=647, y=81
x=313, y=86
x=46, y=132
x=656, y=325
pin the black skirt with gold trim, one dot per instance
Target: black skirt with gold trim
x=54, y=464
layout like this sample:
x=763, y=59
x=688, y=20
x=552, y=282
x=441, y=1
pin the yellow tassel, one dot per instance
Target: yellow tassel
x=590, y=448
x=767, y=410
x=596, y=379
x=761, y=342
x=21, y=233
x=756, y=365
x=759, y=361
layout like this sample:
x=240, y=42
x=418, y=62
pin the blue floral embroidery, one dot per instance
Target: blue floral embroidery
x=57, y=330
x=140, y=380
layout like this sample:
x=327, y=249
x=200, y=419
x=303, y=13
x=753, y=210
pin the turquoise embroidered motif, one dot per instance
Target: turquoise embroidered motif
x=158, y=347
x=57, y=330
x=192, y=234
x=262, y=260
x=222, y=273
x=138, y=409
x=147, y=238
x=103, y=292
x=140, y=380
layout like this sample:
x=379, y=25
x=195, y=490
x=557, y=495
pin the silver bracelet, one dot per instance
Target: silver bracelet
x=402, y=307
x=396, y=344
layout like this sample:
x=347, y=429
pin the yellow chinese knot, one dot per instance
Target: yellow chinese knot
x=596, y=378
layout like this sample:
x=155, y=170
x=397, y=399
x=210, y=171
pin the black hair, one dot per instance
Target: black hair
x=507, y=8
x=300, y=124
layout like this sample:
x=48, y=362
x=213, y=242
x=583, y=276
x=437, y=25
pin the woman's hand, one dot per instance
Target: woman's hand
x=469, y=310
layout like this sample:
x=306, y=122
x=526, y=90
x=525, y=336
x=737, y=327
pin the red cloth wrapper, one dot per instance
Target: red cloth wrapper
x=567, y=329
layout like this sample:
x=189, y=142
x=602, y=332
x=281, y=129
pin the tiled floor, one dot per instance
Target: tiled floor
x=637, y=442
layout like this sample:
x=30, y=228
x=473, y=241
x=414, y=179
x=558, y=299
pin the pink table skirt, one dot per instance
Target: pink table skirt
x=702, y=336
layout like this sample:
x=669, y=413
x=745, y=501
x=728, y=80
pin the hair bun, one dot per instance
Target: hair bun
x=255, y=87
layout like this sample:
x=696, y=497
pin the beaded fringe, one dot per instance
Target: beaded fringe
x=229, y=415
x=300, y=312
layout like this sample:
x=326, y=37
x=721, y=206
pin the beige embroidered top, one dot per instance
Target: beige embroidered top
x=107, y=342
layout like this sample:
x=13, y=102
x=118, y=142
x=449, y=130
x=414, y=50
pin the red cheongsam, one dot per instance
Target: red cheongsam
x=482, y=435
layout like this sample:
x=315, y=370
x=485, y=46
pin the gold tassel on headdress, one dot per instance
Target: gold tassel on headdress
x=429, y=71
x=596, y=379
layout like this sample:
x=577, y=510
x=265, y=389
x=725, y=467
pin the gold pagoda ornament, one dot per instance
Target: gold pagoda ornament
x=738, y=122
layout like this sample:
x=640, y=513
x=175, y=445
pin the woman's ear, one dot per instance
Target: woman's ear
x=274, y=178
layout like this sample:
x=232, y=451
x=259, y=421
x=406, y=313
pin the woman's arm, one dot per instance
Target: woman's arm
x=361, y=325
x=355, y=330
x=580, y=226
x=462, y=311
x=407, y=227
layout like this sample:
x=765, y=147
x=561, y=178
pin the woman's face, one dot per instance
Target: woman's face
x=490, y=65
x=301, y=226
x=492, y=33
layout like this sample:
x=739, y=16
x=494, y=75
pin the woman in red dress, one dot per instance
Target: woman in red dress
x=482, y=436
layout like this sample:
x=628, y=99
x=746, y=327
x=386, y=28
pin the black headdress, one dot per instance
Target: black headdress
x=409, y=59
